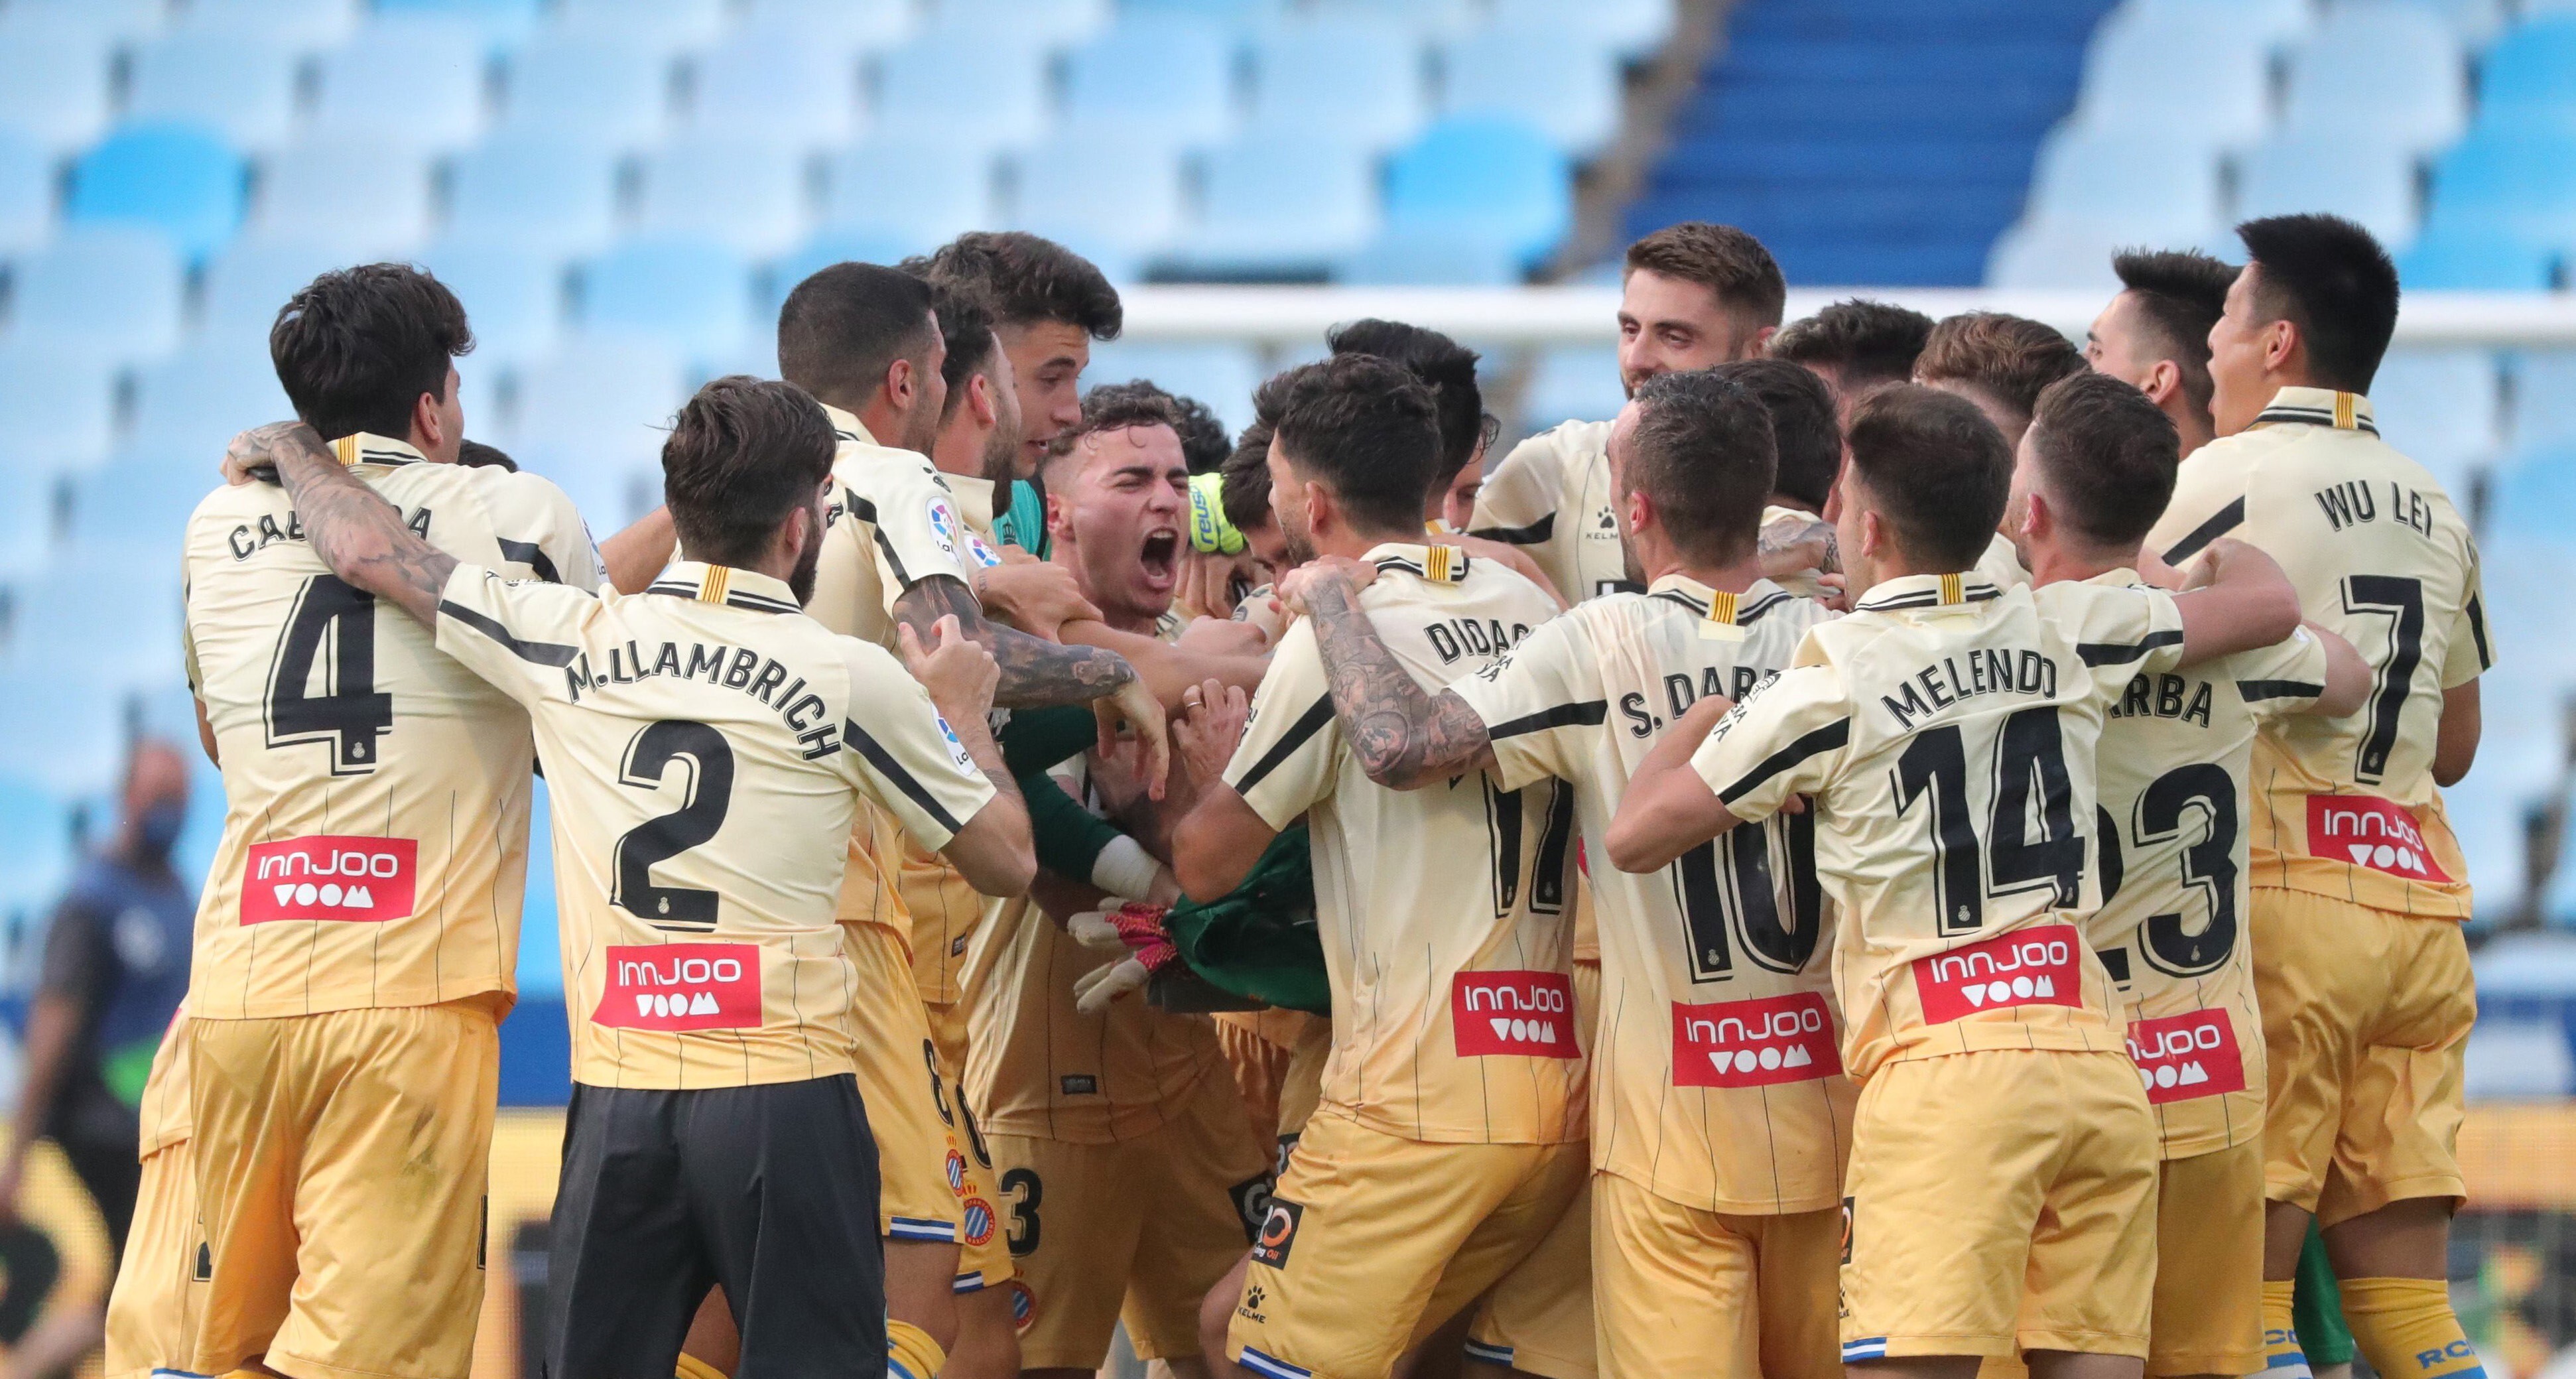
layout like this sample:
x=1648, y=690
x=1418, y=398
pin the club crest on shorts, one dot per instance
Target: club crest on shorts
x=1278, y=1232
x=977, y=1228
x=1024, y=1306
x=956, y=1169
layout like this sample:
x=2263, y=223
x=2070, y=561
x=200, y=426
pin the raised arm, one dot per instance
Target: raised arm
x=1668, y=809
x=1404, y=736
x=1037, y=672
x=356, y=533
x=993, y=850
x=641, y=551
x=2347, y=676
x=2244, y=602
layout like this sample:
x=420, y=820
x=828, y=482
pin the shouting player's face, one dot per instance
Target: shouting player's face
x=1120, y=507
x=2241, y=346
x=1047, y=360
x=1667, y=325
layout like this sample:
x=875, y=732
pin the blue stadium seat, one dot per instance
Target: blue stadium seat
x=611, y=91
x=1346, y=82
x=1417, y=258
x=2476, y=22
x=54, y=77
x=1630, y=28
x=2507, y=182
x=963, y=91
x=750, y=194
x=111, y=613
x=292, y=25
x=775, y=82
x=2356, y=177
x=668, y=24
x=2385, y=71
x=1496, y=181
x=1241, y=15
x=250, y=280
x=692, y=294
x=1573, y=383
x=2439, y=406
x=1060, y=197
x=1278, y=204
x=437, y=65
x=492, y=22
x=93, y=21
x=2191, y=71
x=133, y=502
x=108, y=292
x=593, y=419
x=919, y=195
x=1036, y=23
x=830, y=245
x=2544, y=430
x=239, y=85
x=2528, y=81
x=1220, y=374
x=187, y=407
x=1162, y=83
x=179, y=181
x=61, y=733
x=513, y=296
x=2263, y=23
x=1568, y=92
x=866, y=25
x=354, y=195
x=2467, y=258
x=1430, y=18
x=26, y=194
x=2155, y=189
x=534, y=192
x=57, y=410
x=2062, y=254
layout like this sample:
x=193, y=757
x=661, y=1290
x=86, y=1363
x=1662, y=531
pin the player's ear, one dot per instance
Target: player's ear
x=2163, y=380
x=428, y=427
x=2281, y=344
x=1641, y=510
x=1322, y=513
x=900, y=385
x=979, y=395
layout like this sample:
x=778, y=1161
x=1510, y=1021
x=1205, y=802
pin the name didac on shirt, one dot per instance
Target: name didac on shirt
x=1717, y=1071
x=2172, y=929
x=2346, y=807
x=1945, y=732
x=707, y=746
x=1446, y=913
x=376, y=793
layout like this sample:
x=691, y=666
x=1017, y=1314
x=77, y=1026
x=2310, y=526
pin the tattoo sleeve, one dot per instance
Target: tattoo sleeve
x=1405, y=737
x=355, y=532
x=1035, y=672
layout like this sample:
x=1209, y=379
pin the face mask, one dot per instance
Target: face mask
x=159, y=828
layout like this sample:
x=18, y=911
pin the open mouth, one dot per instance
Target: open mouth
x=1161, y=556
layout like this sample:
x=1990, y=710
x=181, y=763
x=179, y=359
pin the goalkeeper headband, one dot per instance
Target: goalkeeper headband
x=1210, y=532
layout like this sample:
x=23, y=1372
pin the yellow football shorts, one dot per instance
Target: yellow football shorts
x=1998, y=1199
x=1372, y=1241
x=1260, y=1069
x=152, y=1314
x=340, y=1177
x=1538, y=1320
x=1685, y=1291
x=1138, y=1230
x=2367, y=1015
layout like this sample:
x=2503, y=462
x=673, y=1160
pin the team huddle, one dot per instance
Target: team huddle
x=1916, y=846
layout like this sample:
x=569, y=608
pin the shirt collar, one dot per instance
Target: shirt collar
x=848, y=427
x=724, y=584
x=1718, y=607
x=1926, y=591
x=2319, y=407
x=1438, y=564
x=366, y=447
x=2121, y=578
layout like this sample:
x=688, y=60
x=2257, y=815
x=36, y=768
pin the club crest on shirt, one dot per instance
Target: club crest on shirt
x=676, y=987
x=327, y=876
x=2035, y=966
x=2186, y=1056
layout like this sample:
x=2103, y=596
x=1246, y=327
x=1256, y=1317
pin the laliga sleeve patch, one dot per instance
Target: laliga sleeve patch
x=943, y=525
x=956, y=749
x=980, y=550
x=1278, y=1233
x=2187, y=1056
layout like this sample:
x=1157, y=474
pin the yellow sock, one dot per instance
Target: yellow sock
x=2283, y=1358
x=910, y=1353
x=691, y=1367
x=2407, y=1328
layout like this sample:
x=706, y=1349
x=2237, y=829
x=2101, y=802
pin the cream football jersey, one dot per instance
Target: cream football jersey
x=707, y=745
x=1445, y=913
x=1716, y=1071
x=1945, y=732
x=1552, y=495
x=2346, y=807
x=2175, y=753
x=375, y=840
x=2000, y=566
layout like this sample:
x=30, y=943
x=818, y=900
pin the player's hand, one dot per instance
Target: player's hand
x=1035, y=597
x=1134, y=705
x=257, y=449
x=1095, y=989
x=1210, y=725
x=1837, y=592
x=1207, y=584
x=1351, y=575
x=1224, y=637
x=959, y=673
x=2152, y=568
x=1796, y=544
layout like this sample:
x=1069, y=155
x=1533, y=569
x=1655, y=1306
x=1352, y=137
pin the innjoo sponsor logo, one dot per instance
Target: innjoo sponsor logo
x=2180, y=1057
x=359, y=880
x=2036, y=966
x=1756, y=1043
x=2368, y=831
x=1528, y=1013
x=681, y=986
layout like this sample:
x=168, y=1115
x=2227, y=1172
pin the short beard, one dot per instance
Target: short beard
x=1301, y=550
x=1002, y=456
x=801, y=582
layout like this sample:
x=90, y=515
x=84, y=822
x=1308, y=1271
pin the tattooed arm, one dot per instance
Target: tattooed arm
x=1405, y=737
x=1037, y=672
x=355, y=532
